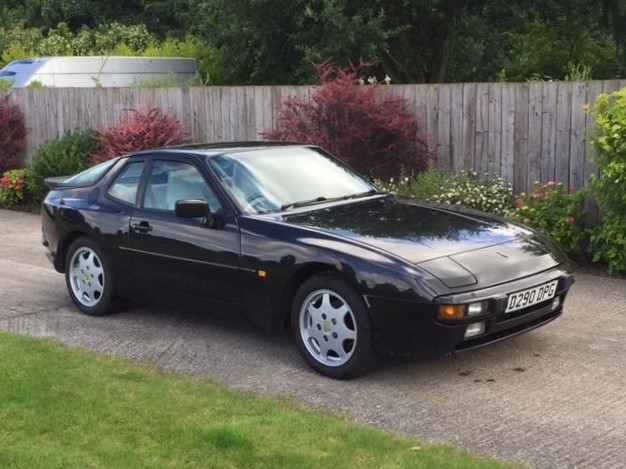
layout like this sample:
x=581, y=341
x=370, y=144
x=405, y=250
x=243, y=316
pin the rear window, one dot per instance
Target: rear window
x=92, y=175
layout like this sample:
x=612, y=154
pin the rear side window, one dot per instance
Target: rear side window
x=126, y=183
x=90, y=176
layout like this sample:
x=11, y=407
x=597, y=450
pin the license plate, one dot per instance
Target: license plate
x=531, y=296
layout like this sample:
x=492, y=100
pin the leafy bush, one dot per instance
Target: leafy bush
x=35, y=84
x=13, y=187
x=609, y=140
x=377, y=135
x=62, y=156
x=18, y=42
x=139, y=129
x=107, y=39
x=428, y=184
x=551, y=209
x=425, y=186
x=607, y=241
x=12, y=133
x=191, y=46
x=491, y=194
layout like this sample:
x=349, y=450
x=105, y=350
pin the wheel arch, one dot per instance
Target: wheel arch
x=296, y=280
x=64, y=245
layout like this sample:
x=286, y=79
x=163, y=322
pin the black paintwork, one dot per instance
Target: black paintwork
x=403, y=256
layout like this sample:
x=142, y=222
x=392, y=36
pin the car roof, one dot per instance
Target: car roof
x=214, y=149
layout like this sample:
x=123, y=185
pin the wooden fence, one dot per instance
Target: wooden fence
x=523, y=131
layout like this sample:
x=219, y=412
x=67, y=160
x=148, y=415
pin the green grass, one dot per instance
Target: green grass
x=66, y=408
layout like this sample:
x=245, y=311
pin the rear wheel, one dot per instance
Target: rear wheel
x=88, y=278
x=332, y=327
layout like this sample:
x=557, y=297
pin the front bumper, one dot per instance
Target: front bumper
x=408, y=328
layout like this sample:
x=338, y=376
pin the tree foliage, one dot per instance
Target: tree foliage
x=412, y=41
x=608, y=240
x=77, y=14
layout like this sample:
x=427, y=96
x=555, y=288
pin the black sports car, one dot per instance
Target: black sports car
x=292, y=237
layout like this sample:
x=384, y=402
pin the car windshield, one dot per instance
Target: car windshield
x=281, y=178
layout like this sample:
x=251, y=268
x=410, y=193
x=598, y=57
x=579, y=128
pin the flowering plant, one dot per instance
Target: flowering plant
x=13, y=186
x=559, y=213
x=491, y=194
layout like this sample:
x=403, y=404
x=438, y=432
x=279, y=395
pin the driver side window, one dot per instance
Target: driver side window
x=170, y=181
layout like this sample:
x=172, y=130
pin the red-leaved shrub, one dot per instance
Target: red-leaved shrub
x=373, y=133
x=12, y=134
x=139, y=129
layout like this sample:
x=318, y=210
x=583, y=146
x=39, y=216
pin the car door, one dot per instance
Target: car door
x=196, y=256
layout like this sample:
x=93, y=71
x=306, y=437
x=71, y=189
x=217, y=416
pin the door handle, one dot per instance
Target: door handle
x=143, y=227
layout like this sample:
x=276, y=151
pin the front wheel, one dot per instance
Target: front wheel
x=88, y=278
x=332, y=327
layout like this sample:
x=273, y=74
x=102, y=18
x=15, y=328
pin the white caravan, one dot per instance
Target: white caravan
x=90, y=72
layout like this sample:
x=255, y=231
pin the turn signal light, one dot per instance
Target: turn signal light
x=452, y=311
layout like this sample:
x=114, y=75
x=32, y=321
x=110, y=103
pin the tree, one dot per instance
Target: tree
x=276, y=41
x=615, y=16
x=253, y=38
x=412, y=41
x=518, y=41
x=161, y=17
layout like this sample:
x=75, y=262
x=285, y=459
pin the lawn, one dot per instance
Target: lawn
x=61, y=407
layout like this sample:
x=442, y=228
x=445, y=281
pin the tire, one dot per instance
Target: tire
x=332, y=327
x=88, y=278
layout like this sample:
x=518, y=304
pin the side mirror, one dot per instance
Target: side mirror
x=192, y=208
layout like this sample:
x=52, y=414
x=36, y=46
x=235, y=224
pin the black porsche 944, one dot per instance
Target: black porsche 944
x=294, y=239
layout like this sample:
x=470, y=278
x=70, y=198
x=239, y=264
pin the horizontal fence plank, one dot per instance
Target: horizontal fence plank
x=524, y=132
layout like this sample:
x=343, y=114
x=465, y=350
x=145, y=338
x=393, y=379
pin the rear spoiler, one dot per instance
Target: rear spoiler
x=55, y=182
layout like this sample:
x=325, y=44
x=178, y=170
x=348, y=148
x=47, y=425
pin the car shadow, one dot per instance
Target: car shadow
x=205, y=343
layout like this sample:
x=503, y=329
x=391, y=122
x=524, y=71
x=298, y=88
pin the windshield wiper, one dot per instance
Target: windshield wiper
x=303, y=203
x=363, y=194
x=321, y=198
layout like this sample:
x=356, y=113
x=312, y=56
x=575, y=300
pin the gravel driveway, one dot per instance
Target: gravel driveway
x=553, y=398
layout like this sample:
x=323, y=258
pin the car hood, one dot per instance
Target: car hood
x=459, y=246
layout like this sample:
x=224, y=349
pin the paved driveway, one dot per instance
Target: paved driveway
x=553, y=398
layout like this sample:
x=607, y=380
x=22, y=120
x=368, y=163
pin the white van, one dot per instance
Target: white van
x=89, y=72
